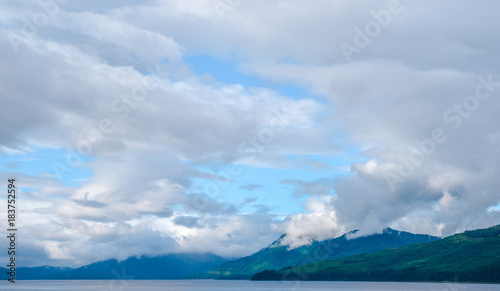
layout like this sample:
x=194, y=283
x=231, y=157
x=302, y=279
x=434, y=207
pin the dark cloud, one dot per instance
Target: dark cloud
x=251, y=187
x=187, y=221
x=250, y=199
x=202, y=203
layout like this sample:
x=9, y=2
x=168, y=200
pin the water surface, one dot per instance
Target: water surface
x=234, y=285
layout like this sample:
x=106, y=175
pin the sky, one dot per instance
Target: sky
x=154, y=127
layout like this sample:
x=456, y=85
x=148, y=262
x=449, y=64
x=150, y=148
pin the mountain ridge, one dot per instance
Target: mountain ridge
x=277, y=256
x=170, y=266
x=471, y=256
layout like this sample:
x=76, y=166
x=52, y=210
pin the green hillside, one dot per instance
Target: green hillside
x=472, y=256
x=274, y=256
x=278, y=256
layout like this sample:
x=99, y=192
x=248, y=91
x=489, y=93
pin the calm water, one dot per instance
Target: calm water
x=235, y=285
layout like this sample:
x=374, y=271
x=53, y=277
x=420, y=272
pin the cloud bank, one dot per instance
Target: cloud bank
x=401, y=131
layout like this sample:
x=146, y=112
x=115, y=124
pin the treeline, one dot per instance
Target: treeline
x=485, y=275
x=472, y=256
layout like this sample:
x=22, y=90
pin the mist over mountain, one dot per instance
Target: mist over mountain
x=278, y=255
x=472, y=256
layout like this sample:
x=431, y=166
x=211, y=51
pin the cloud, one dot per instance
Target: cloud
x=107, y=86
x=200, y=202
x=250, y=199
x=251, y=187
x=319, y=222
x=187, y=221
x=306, y=162
x=320, y=187
x=226, y=235
x=142, y=43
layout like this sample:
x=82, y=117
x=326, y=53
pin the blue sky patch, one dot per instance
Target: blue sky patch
x=40, y=161
x=228, y=72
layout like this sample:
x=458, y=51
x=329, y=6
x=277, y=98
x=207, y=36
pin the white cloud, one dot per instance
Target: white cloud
x=143, y=43
x=91, y=60
x=320, y=222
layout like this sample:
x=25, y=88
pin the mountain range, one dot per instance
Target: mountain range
x=278, y=255
x=472, y=256
x=172, y=266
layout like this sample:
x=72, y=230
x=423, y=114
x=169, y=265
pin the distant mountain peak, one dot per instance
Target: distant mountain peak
x=390, y=231
x=278, y=242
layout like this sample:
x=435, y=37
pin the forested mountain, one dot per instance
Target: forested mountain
x=277, y=256
x=472, y=256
